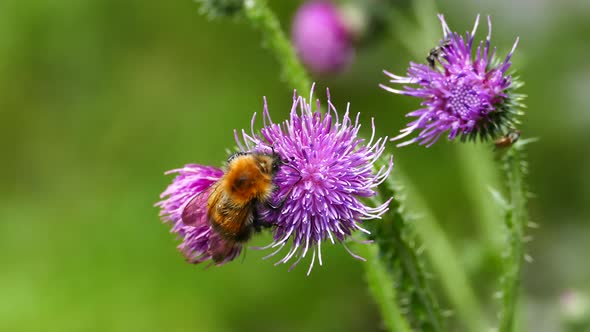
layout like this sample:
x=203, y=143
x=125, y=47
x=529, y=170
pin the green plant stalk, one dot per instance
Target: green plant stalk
x=480, y=174
x=264, y=20
x=400, y=256
x=516, y=219
x=419, y=36
x=380, y=284
x=444, y=260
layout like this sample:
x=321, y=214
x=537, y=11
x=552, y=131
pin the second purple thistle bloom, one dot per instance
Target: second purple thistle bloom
x=323, y=41
x=332, y=169
x=463, y=94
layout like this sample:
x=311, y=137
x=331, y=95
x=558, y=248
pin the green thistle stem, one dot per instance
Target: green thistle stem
x=444, y=260
x=480, y=174
x=380, y=284
x=516, y=219
x=398, y=257
x=264, y=20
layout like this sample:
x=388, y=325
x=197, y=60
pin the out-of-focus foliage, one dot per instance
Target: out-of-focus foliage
x=99, y=98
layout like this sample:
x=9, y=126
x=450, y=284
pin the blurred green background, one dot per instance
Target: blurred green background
x=99, y=97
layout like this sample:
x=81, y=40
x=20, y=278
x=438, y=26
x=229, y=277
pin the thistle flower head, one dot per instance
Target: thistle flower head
x=198, y=239
x=328, y=169
x=321, y=38
x=464, y=94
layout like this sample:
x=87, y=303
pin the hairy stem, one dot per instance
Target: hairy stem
x=399, y=255
x=516, y=219
x=444, y=260
x=380, y=284
x=264, y=20
x=480, y=174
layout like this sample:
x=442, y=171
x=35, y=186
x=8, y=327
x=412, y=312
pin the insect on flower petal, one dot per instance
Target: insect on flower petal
x=464, y=93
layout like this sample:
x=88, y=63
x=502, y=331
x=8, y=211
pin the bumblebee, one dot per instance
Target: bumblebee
x=233, y=201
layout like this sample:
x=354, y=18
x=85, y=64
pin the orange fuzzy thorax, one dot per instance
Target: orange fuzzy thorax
x=245, y=180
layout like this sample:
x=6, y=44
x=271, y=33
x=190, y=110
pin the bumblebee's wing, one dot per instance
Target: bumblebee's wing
x=195, y=211
x=230, y=220
x=223, y=251
x=237, y=217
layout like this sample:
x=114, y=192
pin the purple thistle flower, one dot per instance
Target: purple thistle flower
x=329, y=170
x=471, y=96
x=321, y=38
x=198, y=240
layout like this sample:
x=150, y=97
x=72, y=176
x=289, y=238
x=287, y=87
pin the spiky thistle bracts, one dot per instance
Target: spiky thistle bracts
x=331, y=170
x=464, y=94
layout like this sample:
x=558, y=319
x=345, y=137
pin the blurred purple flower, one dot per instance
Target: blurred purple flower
x=321, y=38
x=330, y=169
x=470, y=96
x=192, y=182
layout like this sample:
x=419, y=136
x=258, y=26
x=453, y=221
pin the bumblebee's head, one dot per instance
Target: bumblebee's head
x=277, y=161
x=268, y=163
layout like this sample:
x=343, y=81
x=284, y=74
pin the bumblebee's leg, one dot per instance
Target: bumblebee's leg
x=283, y=199
x=259, y=225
